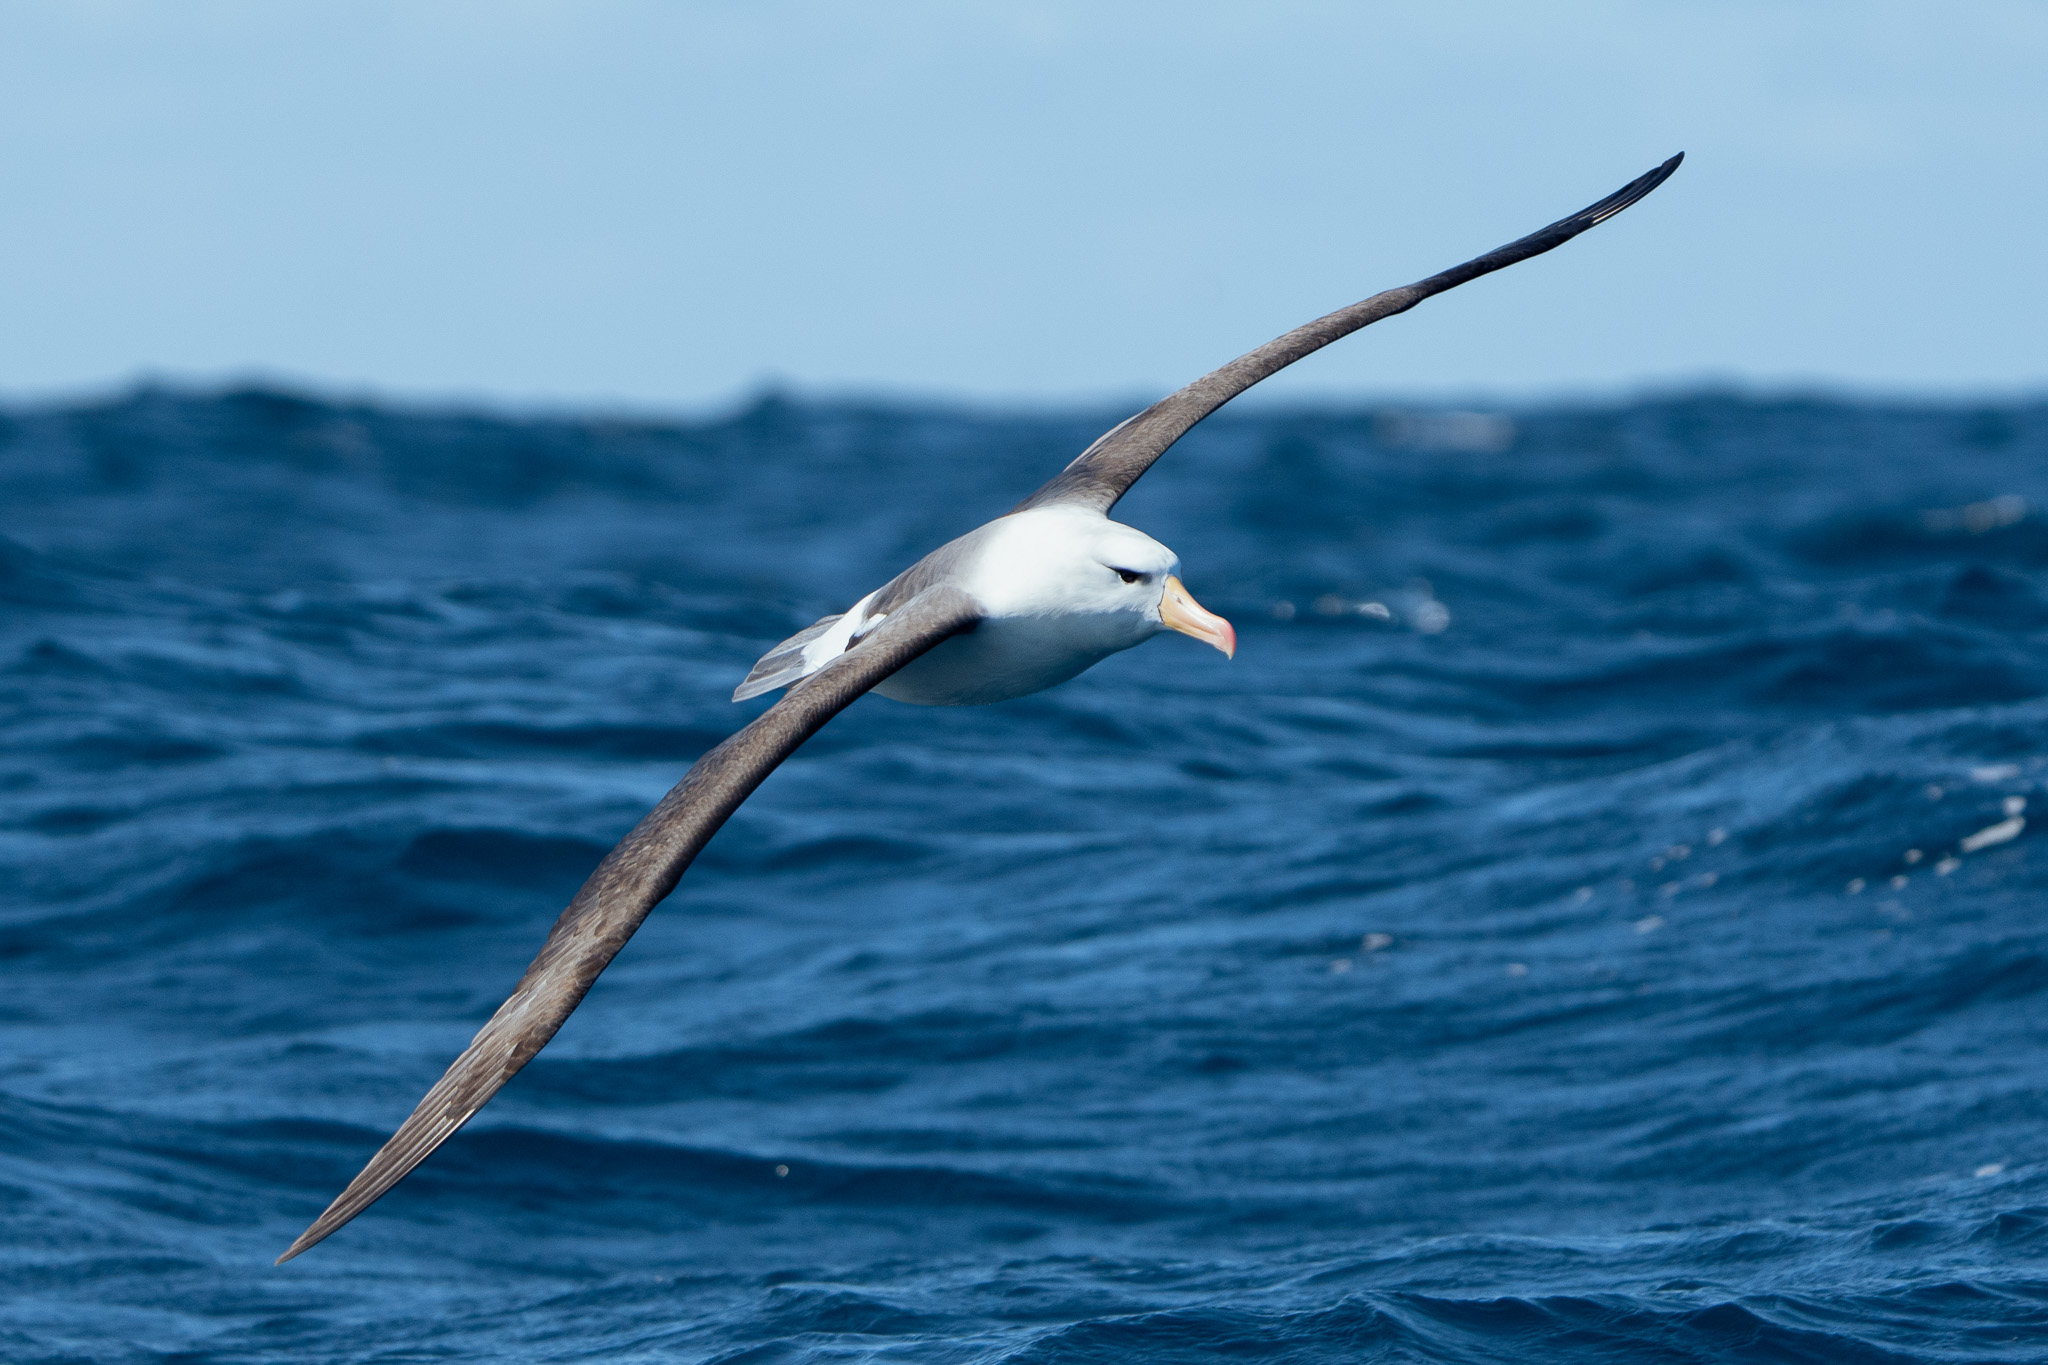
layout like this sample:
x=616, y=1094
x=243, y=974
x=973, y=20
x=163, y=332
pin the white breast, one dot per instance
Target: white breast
x=1014, y=656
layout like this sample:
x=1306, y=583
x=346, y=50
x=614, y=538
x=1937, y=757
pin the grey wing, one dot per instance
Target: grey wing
x=1106, y=470
x=784, y=664
x=632, y=879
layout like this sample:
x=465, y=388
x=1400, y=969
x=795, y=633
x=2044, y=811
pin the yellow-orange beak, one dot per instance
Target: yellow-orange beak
x=1178, y=610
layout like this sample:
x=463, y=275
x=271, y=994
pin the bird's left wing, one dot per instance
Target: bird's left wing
x=631, y=881
x=1106, y=470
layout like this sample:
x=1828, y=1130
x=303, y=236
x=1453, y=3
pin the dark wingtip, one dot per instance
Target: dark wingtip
x=323, y=1227
x=1622, y=198
x=346, y=1206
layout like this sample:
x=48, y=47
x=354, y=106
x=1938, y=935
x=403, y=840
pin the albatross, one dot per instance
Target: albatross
x=1021, y=604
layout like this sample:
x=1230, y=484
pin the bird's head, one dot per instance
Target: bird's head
x=1072, y=561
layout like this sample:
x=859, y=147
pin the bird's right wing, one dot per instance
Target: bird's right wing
x=1106, y=470
x=633, y=878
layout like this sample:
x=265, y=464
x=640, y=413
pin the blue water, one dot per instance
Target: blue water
x=1473, y=976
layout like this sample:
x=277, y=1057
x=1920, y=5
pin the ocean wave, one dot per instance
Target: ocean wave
x=1594, y=916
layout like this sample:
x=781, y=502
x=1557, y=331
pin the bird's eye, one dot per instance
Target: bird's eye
x=1128, y=575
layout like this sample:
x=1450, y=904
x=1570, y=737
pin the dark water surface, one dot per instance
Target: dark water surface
x=1593, y=951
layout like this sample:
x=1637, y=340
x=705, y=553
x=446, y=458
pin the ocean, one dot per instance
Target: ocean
x=1597, y=916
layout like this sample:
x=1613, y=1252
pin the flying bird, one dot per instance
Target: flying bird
x=1027, y=601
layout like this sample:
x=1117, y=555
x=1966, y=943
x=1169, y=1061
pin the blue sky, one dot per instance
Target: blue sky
x=666, y=205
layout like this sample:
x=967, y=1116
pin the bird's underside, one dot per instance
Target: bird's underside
x=907, y=618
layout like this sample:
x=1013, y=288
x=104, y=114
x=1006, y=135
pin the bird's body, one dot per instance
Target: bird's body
x=1023, y=603
x=1059, y=589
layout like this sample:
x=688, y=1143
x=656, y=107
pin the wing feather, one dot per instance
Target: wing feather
x=633, y=878
x=1106, y=470
x=785, y=663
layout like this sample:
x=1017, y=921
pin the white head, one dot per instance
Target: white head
x=1064, y=561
